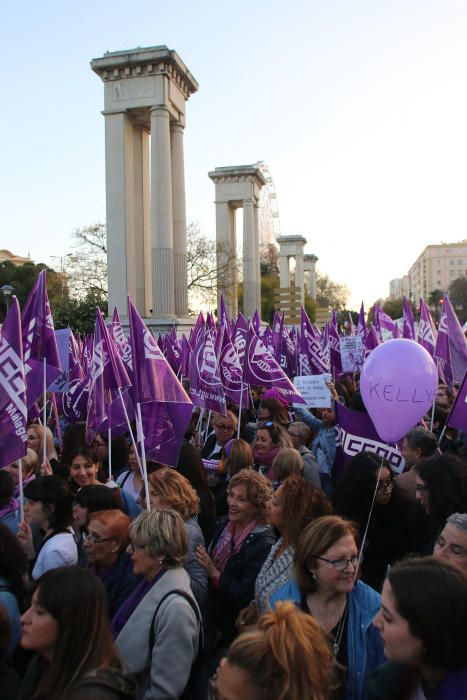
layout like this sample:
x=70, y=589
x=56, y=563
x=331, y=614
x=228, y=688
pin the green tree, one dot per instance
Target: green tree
x=458, y=297
x=22, y=279
x=330, y=293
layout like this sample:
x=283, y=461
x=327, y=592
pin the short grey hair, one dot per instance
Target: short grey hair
x=459, y=520
x=302, y=429
x=163, y=534
x=421, y=439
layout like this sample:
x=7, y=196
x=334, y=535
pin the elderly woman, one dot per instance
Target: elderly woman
x=157, y=629
x=300, y=435
x=451, y=545
x=224, y=430
x=105, y=545
x=325, y=586
x=287, y=463
x=238, y=550
x=169, y=490
x=268, y=441
x=293, y=506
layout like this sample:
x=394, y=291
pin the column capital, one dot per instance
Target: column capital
x=159, y=110
x=177, y=126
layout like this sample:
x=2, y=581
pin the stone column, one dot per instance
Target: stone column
x=299, y=276
x=284, y=274
x=161, y=206
x=136, y=243
x=249, y=259
x=257, y=261
x=225, y=234
x=179, y=220
x=116, y=125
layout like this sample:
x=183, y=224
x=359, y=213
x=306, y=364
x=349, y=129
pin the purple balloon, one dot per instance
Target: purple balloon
x=398, y=384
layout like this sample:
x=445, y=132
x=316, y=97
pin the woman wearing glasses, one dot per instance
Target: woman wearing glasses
x=387, y=538
x=326, y=587
x=105, y=545
x=269, y=439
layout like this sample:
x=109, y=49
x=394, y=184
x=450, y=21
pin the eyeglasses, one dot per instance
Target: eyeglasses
x=294, y=434
x=341, y=564
x=388, y=484
x=268, y=424
x=134, y=546
x=223, y=427
x=96, y=540
x=421, y=488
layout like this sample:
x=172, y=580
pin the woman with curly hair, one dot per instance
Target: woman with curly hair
x=386, y=540
x=293, y=506
x=238, y=550
x=285, y=657
x=13, y=566
x=441, y=489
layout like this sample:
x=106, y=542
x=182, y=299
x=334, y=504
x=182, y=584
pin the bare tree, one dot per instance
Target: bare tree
x=86, y=265
x=329, y=293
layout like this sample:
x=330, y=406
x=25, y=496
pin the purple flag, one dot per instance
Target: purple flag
x=335, y=348
x=458, y=415
x=371, y=341
x=457, y=342
x=312, y=359
x=74, y=401
x=224, y=319
x=256, y=322
x=442, y=350
x=173, y=353
x=231, y=373
x=356, y=433
x=361, y=329
x=197, y=329
x=107, y=376
x=39, y=341
x=205, y=382
x=62, y=382
x=267, y=339
x=261, y=369
x=408, y=330
x=165, y=406
x=383, y=320
x=396, y=331
x=427, y=332
x=239, y=337
x=123, y=346
x=13, y=410
x=185, y=358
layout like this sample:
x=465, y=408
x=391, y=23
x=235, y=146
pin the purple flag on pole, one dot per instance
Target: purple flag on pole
x=371, y=341
x=62, y=382
x=335, y=348
x=427, y=332
x=173, y=353
x=185, y=358
x=224, y=319
x=197, y=329
x=311, y=351
x=458, y=415
x=256, y=322
x=231, y=373
x=74, y=401
x=408, y=330
x=442, y=350
x=205, y=382
x=13, y=410
x=123, y=346
x=39, y=341
x=356, y=433
x=165, y=406
x=361, y=329
x=239, y=337
x=261, y=369
x=457, y=342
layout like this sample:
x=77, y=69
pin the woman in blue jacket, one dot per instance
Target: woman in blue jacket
x=325, y=586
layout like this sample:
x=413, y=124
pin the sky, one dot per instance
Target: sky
x=359, y=109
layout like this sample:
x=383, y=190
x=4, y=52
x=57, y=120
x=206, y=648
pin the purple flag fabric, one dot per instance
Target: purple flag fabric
x=261, y=369
x=371, y=341
x=231, y=373
x=442, y=350
x=173, y=353
x=427, y=332
x=335, y=348
x=198, y=328
x=62, y=382
x=13, y=410
x=311, y=357
x=39, y=341
x=107, y=376
x=256, y=322
x=205, y=382
x=356, y=433
x=361, y=329
x=74, y=401
x=267, y=339
x=458, y=415
x=185, y=358
x=408, y=330
x=396, y=331
x=457, y=342
x=165, y=406
x=224, y=319
x=123, y=346
x=239, y=337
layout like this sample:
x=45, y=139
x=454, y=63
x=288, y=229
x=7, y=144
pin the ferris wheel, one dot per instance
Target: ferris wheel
x=268, y=214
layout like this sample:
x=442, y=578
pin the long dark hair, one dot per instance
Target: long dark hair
x=76, y=599
x=13, y=563
x=354, y=491
x=56, y=497
x=446, y=479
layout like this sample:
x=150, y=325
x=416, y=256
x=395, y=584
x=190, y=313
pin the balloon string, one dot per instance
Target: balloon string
x=362, y=545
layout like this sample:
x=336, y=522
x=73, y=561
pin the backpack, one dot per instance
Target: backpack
x=195, y=681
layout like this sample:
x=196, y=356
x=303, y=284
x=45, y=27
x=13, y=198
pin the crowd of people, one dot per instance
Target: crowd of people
x=247, y=572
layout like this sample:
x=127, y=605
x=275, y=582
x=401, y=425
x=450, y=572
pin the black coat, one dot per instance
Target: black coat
x=237, y=582
x=120, y=582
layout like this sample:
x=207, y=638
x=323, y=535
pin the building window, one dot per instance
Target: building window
x=452, y=262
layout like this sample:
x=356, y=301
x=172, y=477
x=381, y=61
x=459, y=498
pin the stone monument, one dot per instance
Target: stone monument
x=309, y=266
x=238, y=186
x=145, y=93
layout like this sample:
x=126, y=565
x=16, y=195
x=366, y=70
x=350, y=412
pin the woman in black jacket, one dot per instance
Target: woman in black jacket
x=237, y=552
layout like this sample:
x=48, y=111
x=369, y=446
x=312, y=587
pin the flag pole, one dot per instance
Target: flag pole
x=133, y=441
x=44, y=412
x=240, y=412
x=57, y=422
x=109, y=445
x=143, y=456
x=21, y=490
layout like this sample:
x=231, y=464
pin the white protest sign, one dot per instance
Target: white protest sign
x=352, y=353
x=314, y=390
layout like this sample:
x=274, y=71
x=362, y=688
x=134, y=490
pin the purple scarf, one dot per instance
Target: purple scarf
x=9, y=508
x=126, y=610
x=26, y=481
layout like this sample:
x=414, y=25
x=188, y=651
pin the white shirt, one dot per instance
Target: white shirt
x=60, y=550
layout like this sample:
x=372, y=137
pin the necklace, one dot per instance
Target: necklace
x=340, y=630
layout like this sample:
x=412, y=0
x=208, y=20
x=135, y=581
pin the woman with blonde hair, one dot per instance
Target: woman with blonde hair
x=35, y=440
x=285, y=657
x=169, y=490
x=28, y=468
